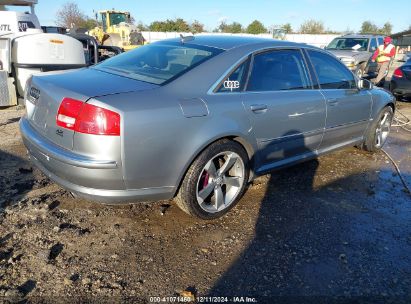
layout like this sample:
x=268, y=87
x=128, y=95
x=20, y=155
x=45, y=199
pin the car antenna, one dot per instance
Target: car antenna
x=186, y=38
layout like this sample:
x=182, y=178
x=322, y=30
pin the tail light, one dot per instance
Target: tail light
x=68, y=112
x=398, y=73
x=86, y=118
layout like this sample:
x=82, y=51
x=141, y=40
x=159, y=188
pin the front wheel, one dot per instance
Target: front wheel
x=215, y=181
x=360, y=71
x=379, y=130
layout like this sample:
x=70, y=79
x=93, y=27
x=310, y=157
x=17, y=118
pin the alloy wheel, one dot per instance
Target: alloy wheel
x=383, y=129
x=360, y=73
x=220, y=181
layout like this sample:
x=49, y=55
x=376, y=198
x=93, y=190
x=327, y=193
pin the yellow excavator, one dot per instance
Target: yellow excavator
x=117, y=30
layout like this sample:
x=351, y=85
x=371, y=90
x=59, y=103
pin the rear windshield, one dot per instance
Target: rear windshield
x=158, y=63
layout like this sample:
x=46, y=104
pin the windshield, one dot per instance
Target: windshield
x=157, y=63
x=117, y=18
x=359, y=44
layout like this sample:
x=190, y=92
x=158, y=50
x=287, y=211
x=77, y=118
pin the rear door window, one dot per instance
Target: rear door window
x=279, y=70
x=331, y=73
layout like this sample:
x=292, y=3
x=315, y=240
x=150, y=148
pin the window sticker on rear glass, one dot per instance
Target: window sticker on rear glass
x=231, y=84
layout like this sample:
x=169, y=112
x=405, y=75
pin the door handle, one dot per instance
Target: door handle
x=258, y=108
x=332, y=101
x=295, y=115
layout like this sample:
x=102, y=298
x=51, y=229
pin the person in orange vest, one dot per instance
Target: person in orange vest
x=383, y=56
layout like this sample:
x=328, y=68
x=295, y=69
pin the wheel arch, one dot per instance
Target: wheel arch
x=392, y=105
x=380, y=107
x=239, y=138
x=381, y=99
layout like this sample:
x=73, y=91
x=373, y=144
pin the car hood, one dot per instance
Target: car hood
x=88, y=82
x=346, y=53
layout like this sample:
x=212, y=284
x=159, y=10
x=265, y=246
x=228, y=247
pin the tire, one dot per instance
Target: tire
x=360, y=71
x=215, y=181
x=378, y=131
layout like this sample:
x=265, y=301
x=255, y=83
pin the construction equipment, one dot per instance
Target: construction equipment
x=117, y=30
x=25, y=50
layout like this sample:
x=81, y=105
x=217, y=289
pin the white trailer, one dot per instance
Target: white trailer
x=26, y=50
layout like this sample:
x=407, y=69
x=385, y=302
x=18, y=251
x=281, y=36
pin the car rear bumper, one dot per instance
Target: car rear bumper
x=401, y=87
x=82, y=175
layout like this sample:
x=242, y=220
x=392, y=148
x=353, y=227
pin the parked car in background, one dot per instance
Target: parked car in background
x=355, y=51
x=400, y=84
x=196, y=119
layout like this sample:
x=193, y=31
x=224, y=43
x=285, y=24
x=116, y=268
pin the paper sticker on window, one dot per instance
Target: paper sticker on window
x=231, y=84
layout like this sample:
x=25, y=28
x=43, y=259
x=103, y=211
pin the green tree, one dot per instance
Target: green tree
x=196, y=27
x=88, y=23
x=386, y=29
x=222, y=28
x=180, y=25
x=312, y=27
x=368, y=27
x=177, y=25
x=157, y=26
x=256, y=27
x=142, y=27
x=234, y=27
x=287, y=28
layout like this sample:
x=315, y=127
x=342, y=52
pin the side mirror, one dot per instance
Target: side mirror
x=364, y=84
x=373, y=48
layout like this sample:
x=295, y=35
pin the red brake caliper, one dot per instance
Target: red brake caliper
x=205, y=181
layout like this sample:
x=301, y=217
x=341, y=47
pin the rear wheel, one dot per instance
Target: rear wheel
x=379, y=130
x=215, y=181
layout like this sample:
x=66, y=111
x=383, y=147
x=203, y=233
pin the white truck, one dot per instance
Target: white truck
x=26, y=50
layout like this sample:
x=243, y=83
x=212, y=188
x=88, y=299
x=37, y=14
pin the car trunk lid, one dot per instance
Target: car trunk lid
x=45, y=93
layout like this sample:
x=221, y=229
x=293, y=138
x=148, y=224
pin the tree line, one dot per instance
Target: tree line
x=71, y=16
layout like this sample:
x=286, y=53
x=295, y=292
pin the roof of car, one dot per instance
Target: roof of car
x=361, y=36
x=226, y=42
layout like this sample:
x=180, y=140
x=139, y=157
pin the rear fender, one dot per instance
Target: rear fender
x=249, y=145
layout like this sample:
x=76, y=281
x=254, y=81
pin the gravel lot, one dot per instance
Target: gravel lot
x=331, y=230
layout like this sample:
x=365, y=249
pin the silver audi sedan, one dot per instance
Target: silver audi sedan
x=196, y=119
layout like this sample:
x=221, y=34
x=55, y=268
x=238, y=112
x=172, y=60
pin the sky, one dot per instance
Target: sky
x=338, y=15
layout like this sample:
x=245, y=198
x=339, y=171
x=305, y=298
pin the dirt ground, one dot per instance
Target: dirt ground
x=335, y=229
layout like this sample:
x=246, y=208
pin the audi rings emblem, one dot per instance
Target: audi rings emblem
x=34, y=94
x=231, y=84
